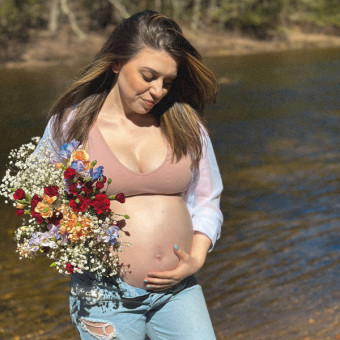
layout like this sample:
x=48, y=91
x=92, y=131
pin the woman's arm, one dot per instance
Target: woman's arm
x=203, y=200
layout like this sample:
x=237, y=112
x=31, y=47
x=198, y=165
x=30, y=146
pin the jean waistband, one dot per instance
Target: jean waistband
x=130, y=291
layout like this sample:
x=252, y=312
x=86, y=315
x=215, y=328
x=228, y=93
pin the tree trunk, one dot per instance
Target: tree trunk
x=120, y=7
x=72, y=19
x=196, y=14
x=211, y=9
x=158, y=5
x=53, y=20
x=177, y=7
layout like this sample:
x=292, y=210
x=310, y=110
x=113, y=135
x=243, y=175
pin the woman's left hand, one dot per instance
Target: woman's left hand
x=189, y=264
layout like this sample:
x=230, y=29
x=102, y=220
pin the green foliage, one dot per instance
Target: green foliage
x=259, y=18
x=256, y=17
x=16, y=17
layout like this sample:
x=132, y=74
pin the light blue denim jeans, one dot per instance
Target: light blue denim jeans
x=107, y=308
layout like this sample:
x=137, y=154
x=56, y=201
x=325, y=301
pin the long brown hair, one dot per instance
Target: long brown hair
x=179, y=112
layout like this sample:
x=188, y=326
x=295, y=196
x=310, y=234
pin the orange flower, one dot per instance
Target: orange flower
x=20, y=206
x=64, y=209
x=49, y=200
x=79, y=155
x=59, y=165
x=43, y=209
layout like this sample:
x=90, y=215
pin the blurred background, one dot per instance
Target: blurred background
x=275, y=272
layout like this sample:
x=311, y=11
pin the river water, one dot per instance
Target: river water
x=275, y=272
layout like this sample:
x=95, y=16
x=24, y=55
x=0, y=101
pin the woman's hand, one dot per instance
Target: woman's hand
x=189, y=264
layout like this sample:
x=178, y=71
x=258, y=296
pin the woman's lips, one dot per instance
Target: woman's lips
x=149, y=103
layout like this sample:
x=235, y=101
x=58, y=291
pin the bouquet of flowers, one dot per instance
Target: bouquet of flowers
x=65, y=211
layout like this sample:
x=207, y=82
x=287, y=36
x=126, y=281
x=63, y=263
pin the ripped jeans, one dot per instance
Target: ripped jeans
x=109, y=308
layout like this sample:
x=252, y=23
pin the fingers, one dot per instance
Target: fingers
x=180, y=253
x=166, y=279
x=159, y=284
x=161, y=280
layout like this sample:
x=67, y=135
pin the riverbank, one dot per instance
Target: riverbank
x=67, y=48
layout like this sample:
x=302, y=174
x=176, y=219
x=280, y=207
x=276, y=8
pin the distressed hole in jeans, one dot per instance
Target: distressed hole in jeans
x=99, y=330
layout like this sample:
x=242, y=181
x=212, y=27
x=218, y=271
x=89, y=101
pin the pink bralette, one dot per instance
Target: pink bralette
x=170, y=178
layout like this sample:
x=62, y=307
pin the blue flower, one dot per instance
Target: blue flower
x=79, y=166
x=97, y=173
x=67, y=149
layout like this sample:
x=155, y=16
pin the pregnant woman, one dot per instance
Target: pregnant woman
x=137, y=110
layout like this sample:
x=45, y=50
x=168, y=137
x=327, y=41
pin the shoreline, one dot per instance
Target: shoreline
x=42, y=50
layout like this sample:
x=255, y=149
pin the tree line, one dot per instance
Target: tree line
x=260, y=18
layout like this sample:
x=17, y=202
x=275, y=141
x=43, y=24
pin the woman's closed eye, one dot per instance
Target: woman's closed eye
x=147, y=79
x=166, y=83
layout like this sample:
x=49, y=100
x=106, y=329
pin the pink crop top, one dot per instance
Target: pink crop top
x=170, y=178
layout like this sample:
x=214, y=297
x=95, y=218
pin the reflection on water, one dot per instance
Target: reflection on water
x=275, y=272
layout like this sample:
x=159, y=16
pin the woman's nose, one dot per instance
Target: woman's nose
x=157, y=89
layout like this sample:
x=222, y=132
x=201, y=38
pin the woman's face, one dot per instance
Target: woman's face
x=145, y=79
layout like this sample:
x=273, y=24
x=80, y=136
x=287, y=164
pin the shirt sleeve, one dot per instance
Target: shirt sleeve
x=204, y=193
x=48, y=145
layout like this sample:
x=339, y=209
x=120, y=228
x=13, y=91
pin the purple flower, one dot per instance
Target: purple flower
x=38, y=240
x=54, y=233
x=111, y=235
x=67, y=149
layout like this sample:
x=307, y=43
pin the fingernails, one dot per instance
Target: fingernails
x=148, y=286
x=149, y=274
x=146, y=281
x=176, y=246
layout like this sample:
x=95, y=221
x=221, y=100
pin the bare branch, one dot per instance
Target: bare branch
x=72, y=19
x=121, y=9
x=54, y=14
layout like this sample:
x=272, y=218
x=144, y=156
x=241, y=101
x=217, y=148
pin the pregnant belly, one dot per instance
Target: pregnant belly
x=156, y=224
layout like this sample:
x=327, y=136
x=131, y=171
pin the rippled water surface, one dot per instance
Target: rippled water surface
x=274, y=274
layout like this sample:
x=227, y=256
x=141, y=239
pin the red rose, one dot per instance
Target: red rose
x=87, y=188
x=101, y=204
x=54, y=219
x=120, y=197
x=34, y=201
x=70, y=173
x=69, y=268
x=73, y=188
x=19, y=194
x=79, y=204
x=100, y=185
x=51, y=190
x=37, y=217
x=19, y=212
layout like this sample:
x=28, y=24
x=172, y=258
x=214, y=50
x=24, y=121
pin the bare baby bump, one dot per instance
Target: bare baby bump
x=156, y=224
